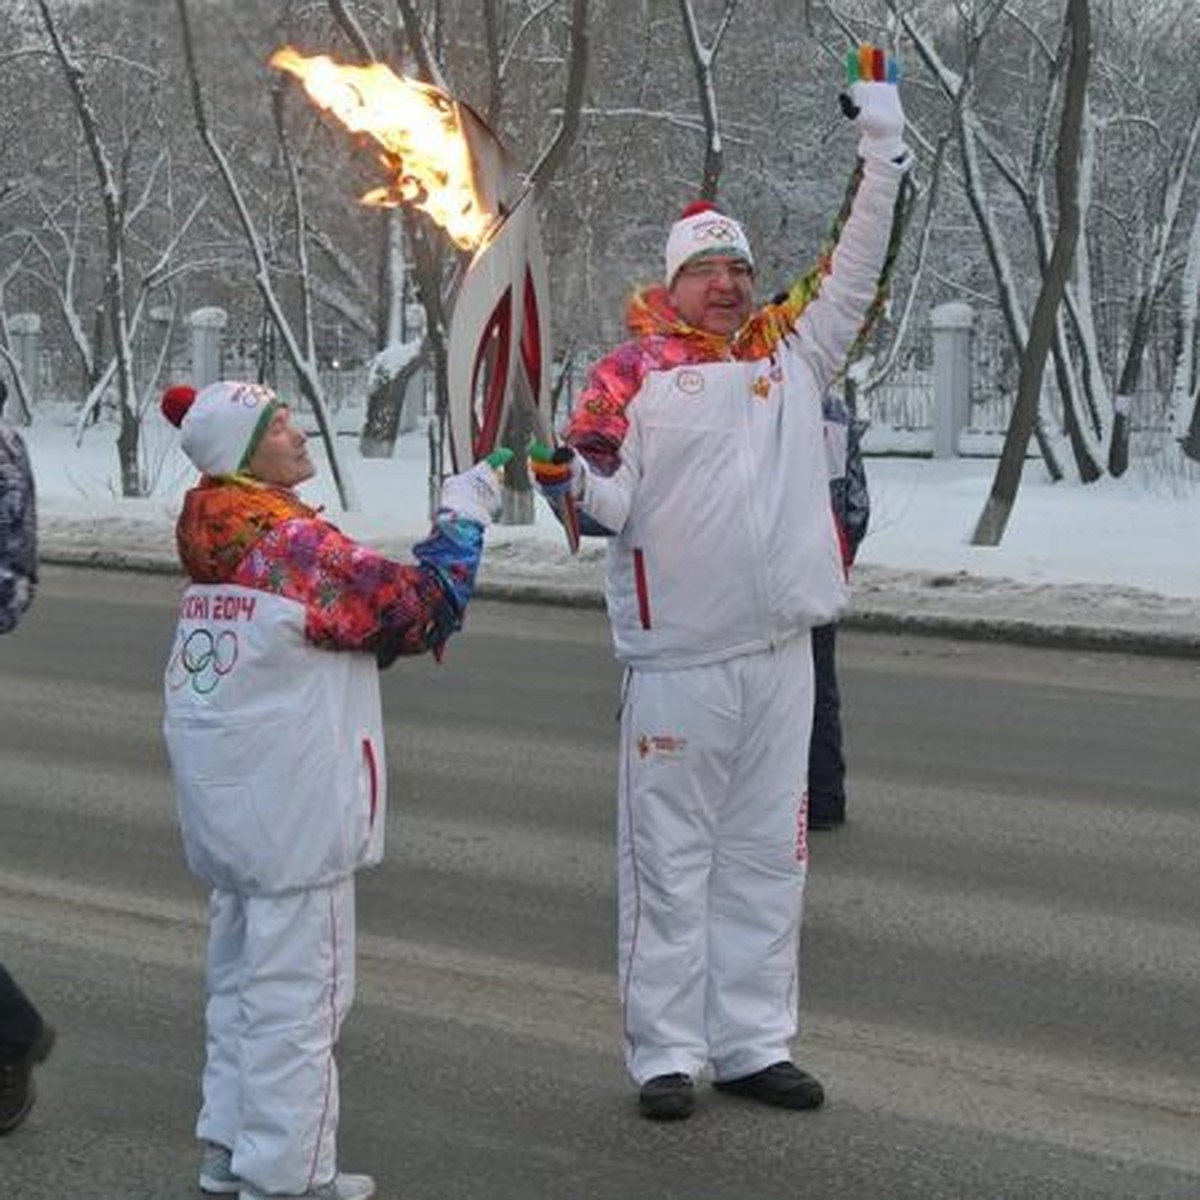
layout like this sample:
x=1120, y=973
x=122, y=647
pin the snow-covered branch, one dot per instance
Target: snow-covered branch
x=703, y=62
x=304, y=364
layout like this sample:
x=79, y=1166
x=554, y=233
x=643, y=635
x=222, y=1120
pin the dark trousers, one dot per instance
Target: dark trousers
x=20, y=1022
x=826, y=767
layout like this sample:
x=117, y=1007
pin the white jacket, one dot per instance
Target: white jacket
x=276, y=746
x=724, y=539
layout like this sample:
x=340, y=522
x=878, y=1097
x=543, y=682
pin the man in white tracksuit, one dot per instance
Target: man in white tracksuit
x=699, y=453
x=274, y=731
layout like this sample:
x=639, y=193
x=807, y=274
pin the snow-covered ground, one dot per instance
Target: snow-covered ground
x=1118, y=553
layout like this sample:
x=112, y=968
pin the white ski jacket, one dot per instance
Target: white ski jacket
x=276, y=745
x=711, y=474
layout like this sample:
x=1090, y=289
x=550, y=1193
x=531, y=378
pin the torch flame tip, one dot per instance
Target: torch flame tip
x=418, y=130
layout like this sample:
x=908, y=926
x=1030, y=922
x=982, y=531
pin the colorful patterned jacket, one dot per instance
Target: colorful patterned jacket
x=240, y=531
x=18, y=529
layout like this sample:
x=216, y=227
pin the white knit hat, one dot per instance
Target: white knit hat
x=702, y=229
x=221, y=425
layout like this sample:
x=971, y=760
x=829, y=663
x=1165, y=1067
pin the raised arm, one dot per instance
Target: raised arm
x=832, y=307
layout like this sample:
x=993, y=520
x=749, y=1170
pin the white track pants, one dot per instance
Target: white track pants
x=280, y=982
x=712, y=854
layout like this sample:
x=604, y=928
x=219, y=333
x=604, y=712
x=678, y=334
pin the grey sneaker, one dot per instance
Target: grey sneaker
x=216, y=1173
x=342, y=1187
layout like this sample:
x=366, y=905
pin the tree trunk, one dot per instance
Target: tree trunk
x=127, y=452
x=996, y=512
x=1118, y=447
x=385, y=406
x=703, y=60
x=1190, y=444
x=1085, y=462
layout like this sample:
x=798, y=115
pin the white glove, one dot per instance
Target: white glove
x=872, y=102
x=474, y=495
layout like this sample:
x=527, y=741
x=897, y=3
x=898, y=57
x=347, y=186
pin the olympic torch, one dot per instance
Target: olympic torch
x=442, y=158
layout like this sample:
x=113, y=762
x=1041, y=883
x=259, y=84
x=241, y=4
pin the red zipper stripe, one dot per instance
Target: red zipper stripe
x=643, y=591
x=373, y=772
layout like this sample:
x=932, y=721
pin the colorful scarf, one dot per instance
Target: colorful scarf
x=223, y=517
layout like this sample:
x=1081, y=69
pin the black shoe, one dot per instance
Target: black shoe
x=782, y=1084
x=17, y=1091
x=667, y=1098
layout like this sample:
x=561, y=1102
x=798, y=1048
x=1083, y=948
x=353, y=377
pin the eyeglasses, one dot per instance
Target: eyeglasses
x=736, y=270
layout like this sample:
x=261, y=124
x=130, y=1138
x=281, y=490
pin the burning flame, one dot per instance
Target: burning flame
x=418, y=132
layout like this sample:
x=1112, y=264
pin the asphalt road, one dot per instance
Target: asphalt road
x=1001, y=949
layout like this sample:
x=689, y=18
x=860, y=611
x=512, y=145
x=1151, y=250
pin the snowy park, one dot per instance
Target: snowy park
x=1116, y=551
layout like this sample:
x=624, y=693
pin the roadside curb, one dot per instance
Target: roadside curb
x=1030, y=633
x=924, y=604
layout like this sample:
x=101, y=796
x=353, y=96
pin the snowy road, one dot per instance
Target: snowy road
x=1001, y=950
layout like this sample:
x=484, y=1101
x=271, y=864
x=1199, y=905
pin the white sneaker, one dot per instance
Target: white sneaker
x=341, y=1187
x=216, y=1173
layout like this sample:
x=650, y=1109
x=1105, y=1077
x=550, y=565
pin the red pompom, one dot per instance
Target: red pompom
x=698, y=206
x=176, y=401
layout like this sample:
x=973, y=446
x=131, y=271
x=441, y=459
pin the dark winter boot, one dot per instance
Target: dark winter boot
x=17, y=1090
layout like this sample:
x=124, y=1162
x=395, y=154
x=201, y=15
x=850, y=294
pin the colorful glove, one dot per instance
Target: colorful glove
x=556, y=472
x=872, y=102
x=476, y=495
x=560, y=476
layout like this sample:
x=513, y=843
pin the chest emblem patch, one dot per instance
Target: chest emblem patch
x=760, y=389
x=660, y=745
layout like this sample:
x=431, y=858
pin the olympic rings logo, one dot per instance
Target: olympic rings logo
x=715, y=231
x=251, y=395
x=203, y=660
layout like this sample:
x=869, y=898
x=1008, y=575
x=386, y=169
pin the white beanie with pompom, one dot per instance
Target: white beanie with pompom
x=221, y=424
x=703, y=229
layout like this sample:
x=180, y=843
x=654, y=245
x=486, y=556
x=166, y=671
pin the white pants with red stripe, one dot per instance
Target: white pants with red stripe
x=712, y=856
x=280, y=982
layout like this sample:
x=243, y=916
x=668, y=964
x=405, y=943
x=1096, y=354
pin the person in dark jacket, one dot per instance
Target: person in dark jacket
x=18, y=524
x=25, y=1038
x=852, y=510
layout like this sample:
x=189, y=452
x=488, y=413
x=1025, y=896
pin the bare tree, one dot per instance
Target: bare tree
x=1077, y=44
x=23, y=408
x=1151, y=284
x=704, y=57
x=553, y=157
x=1112, y=301
x=958, y=88
x=300, y=347
x=609, y=175
x=123, y=204
x=1185, y=389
